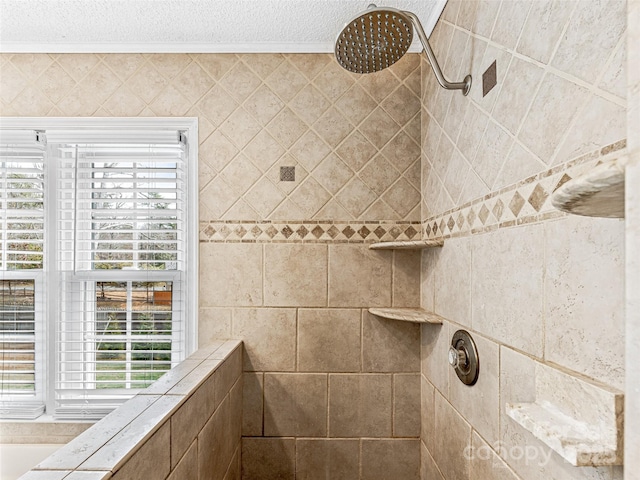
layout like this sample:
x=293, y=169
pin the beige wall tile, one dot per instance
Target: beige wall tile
x=359, y=277
x=227, y=374
x=517, y=377
x=434, y=345
x=360, y=405
x=406, y=279
x=187, y=468
x=190, y=418
x=295, y=404
x=329, y=340
x=519, y=164
x=480, y=403
x=234, y=427
x=213, y=324
x=321, y=459
x=427, y=279
x=356, y=151
x=389, y=345
x=428, y=434
x=614, y=79
x=428, y=468
x=453, y=437
x=520, y=80
x=295, y=275
x=543, y=28
x=544, y=126
x=152, y=459
x=584, y=292
x=493, y=148
x=379, y=86
x=507, y=293
x=269, y=337
x=591, y=135
x=510, y=21
x=382, y=459
x=406, y=405
x=252, y=404
x=230, y=274
x=583, y=50
x=268, y=458
x=216, y=443
x=235, y=468
x=486, y=464
x=356, y=198
x=456, y=175
x=452, y=281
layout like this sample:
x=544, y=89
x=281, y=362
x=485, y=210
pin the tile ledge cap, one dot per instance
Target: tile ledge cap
x=575, y=441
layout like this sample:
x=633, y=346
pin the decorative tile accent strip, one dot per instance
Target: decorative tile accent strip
x=527, y=201
x=308, y=231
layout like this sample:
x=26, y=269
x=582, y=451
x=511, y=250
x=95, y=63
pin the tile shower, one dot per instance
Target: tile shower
x=331, y=391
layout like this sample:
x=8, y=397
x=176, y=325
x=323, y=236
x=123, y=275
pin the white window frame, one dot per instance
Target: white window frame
x=188, y=297
x=38, y=400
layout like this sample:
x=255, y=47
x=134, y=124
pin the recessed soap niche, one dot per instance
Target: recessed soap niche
x=579, y=419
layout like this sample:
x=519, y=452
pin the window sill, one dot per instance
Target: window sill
x=43, y=429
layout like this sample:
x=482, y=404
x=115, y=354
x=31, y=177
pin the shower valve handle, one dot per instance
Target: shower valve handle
x=457, y=357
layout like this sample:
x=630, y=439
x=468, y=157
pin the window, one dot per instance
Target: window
x=98, y=261
x=21, y=272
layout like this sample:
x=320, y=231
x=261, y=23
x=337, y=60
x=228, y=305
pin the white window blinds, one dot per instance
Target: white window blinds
x=22, y=215
x=121, y=220
x=98, y=260
x=129, y=207
x=21, y=201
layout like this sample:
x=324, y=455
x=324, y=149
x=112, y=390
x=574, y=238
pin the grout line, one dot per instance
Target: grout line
x=328, y=405
x=363, y=314
x=296, y=360
x=392, y=279
x=622, y=42
x=548, y=67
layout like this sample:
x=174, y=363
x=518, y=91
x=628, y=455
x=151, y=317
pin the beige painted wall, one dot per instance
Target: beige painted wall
x=529, y=283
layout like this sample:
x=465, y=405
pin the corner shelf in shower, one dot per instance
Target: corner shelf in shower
x=597, y=193
x=407, y=245
x=415, y=315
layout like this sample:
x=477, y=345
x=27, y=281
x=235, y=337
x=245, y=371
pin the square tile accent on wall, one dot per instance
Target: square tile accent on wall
x=489, y=79
x=287, y=174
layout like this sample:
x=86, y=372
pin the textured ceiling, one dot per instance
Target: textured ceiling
x=186, y=25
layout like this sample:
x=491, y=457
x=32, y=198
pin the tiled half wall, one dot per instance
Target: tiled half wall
x=186, y=426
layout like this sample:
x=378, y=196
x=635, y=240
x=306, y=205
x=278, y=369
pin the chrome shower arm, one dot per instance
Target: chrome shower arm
x=465, y=85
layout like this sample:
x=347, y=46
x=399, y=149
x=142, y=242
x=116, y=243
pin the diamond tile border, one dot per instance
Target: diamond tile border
x=308, y=231
x=527, y=201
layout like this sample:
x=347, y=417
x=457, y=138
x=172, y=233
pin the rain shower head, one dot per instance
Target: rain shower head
x=379, y=37
x=374, y=40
